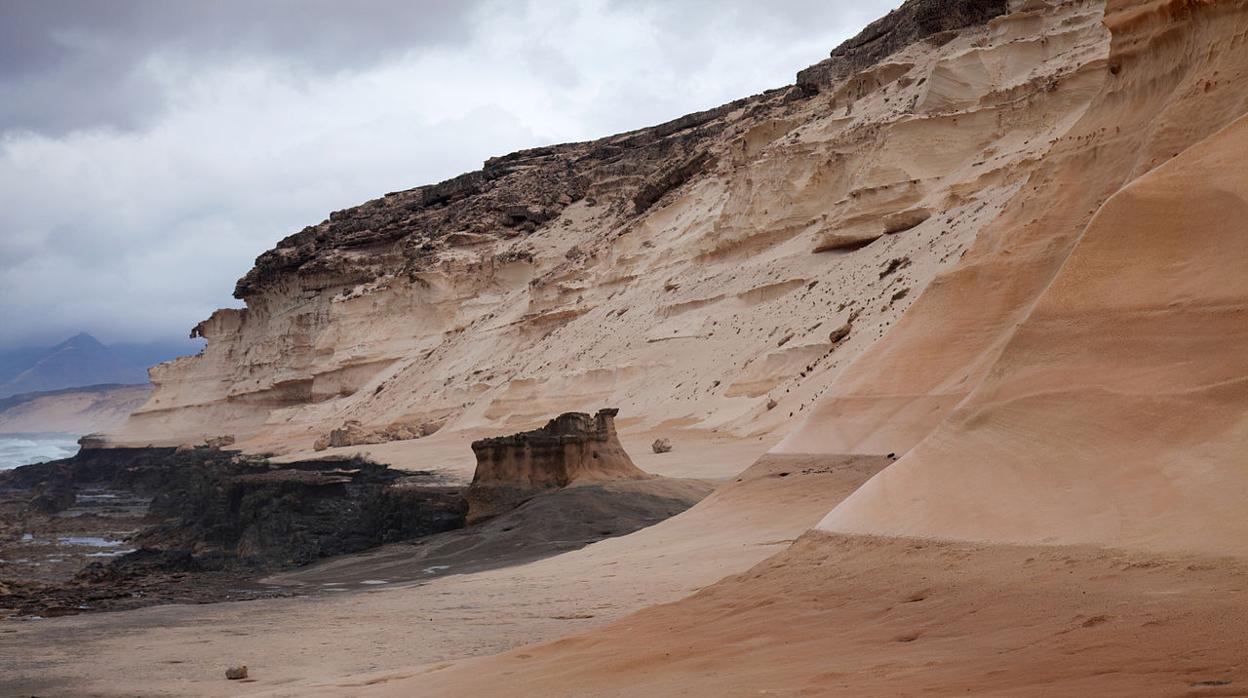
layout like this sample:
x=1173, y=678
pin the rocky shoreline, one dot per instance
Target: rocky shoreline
x=111, y=529
x=122, y=528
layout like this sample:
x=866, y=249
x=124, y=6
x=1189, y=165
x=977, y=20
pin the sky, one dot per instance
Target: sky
x=151, y=149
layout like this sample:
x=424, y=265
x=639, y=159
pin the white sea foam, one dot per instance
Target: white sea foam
x=24, y=449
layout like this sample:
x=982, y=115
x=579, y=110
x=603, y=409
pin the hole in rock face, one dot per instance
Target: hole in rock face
x=782, y=474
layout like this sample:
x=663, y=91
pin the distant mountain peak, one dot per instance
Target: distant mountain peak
x=81, y=340
x=81, y=360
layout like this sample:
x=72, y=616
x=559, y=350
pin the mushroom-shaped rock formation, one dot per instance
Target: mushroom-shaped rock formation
x=572, y=448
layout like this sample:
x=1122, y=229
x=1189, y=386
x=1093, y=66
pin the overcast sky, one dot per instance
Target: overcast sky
x=149, y=150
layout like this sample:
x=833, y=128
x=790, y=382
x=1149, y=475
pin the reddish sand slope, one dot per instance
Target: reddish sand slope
x=1118, y=413
x=890, y=617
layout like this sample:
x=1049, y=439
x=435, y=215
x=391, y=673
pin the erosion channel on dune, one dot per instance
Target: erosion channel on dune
x=922, y=375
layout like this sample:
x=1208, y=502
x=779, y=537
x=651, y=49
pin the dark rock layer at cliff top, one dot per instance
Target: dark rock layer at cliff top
x=916, y=20
x=513, y=195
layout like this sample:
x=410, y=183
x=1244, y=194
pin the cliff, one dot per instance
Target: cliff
x=781, y=234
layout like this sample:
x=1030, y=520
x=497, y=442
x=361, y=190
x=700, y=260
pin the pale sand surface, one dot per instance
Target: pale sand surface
x=695, y=453
x=289, y=643
x=860, y=616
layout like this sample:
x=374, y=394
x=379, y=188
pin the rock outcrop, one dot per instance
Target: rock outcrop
x=572, y=448
x=353, y=433
x=246, y=507
x=936, y=21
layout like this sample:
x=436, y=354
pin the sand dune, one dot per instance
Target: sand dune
x=72, y=411
x=852, y=616
x=1115, y=415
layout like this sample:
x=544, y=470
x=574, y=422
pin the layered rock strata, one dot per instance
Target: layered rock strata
x=569, y=276
x=573, y=447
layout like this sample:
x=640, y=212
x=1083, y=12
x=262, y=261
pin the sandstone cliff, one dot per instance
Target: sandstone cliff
x=781, y=234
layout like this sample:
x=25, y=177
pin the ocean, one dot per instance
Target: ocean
x=24, y=449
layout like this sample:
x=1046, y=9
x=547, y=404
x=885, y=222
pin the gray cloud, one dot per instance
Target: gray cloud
x=82, y=63
x=150, y=150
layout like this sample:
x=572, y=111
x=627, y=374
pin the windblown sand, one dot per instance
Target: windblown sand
x=857, y=616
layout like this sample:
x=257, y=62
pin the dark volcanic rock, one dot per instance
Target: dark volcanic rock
x=146, y=561
x=216, y=520
x=914, y=21
x=296, y=513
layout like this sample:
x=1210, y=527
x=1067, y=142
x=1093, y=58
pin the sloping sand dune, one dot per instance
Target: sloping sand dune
x=854, y=616
x=1118, y=412
x=72, y=411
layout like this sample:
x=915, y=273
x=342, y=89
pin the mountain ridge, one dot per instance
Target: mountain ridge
x=79, y=362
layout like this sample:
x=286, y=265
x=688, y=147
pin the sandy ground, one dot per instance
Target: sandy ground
x=696, y=454
x=290, y=643
x=858, y=616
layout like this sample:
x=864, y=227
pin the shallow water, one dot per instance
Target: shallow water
x=24, y=449
x=89, y=541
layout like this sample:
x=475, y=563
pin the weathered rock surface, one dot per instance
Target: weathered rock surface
x=208, y=520
x=353, y=433
x=572, y=448
x=916, y=20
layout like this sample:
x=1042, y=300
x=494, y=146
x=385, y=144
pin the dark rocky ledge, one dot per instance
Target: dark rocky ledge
x=201, y=524
x=914, y=21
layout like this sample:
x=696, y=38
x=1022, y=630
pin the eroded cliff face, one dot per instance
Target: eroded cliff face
x=571, y=448
x=718, y=271
x=1100, y=396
